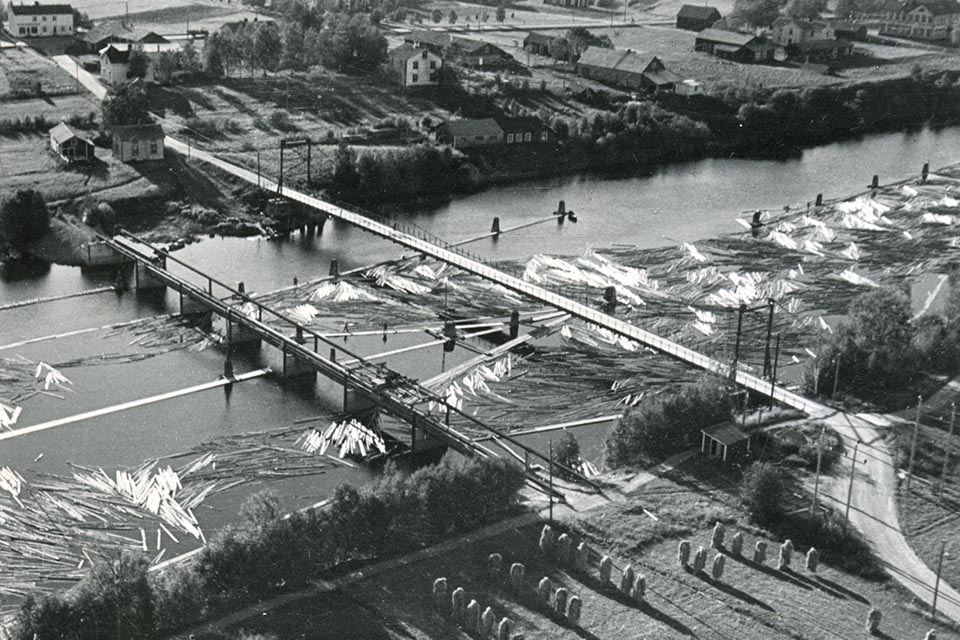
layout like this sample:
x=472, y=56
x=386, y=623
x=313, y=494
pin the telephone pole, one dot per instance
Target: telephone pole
x=853, y=471
x=913, y=442
x=947, y=449
x=816, y=482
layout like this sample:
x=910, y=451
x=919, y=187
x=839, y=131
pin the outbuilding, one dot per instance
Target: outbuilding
x=70, y=144
x=695, y=18
x=137, y=142
x=734, y=45
x=724, y=441
x=470, y=133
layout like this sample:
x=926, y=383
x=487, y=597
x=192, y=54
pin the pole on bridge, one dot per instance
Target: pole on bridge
x=736, y=348
x=947, y=449
x=766, y=354
x=913, y=442
x=773, y=376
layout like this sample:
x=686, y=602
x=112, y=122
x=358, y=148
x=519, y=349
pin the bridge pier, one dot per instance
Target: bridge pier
x=356, y=402
x=287, y=366
x=234, y=334
x=189, y=306
x=421, y=440
x=144, y=280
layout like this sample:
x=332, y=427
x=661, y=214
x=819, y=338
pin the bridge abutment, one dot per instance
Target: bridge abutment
x=144, y=280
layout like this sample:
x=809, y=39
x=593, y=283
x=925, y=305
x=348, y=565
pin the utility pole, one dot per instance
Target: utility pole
x=76, y=76
x=913, y=442
x=836, y=379
x=853, y=470
x=550, y=447
x=258, y=168
x=773, y=376
x=766, y=354
x=816, y=482
x=736, y=348
x=936, y=588
x=946, y=452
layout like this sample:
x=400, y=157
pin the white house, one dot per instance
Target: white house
x=415, y=67
x=41, y=20
x=113, y=64
x=785, y=31
x=689, y=87
x=137, y=142
x=920, y=19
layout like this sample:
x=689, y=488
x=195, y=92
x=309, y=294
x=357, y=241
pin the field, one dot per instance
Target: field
x=927, y=522
x=20, y=67
x=197, y=16
x=28, y=162
x=97, y=9
x=749, y=602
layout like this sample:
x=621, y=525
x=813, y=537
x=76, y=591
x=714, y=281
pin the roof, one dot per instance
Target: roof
x=116, y=55
x=820, y=45
x=940, y=7
x=725, y=433
x=37, y=9
x=661, y=78
x=539, y=38
x=428, y=37
x=846, y=25
x=480, y=127
x=521, y=123
x=407, y=51
x=627, y=61
x=473, y=46
x=108, y=30
x=138, y=132
x=698, y=13
x=735, y=38
x=812, y=25
x=63, y=132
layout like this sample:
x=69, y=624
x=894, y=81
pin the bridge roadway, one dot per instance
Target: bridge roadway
x=420, y=241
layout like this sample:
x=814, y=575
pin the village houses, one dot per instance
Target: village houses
x=70, y=144
x=41, y=20
x=503, y=130
x=626, y=68
x=415, y=67
x=734, y=45
x=696, y=18
x=138, y=142
x=920, y=19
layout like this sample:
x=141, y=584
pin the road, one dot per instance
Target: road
x=87, y=79
x=873, y=500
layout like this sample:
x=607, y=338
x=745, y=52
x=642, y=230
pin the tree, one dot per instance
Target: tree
x=452, y=17
x=80, y=19
x=436, y=16
x=189, y=60
x=501, y=12
x=559, y=49
x=138, y=64
x=293, y=46
x=806, y=9
x=167, y=64
x=261, y=509
x=267, y=46
x=312, y=47
x=848, y=8
x=759, y=13
x=566, y=452
x=762, y=492
x=213, y=55
x=126, y=105
x=24, y=218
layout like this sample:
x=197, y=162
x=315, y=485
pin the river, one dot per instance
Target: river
x=681, y=202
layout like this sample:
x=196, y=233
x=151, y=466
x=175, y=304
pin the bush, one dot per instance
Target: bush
x=664, y=424
x=762, y=492
x=280, y=120
x=101, y=217
x=24, y=218
x=566, y=453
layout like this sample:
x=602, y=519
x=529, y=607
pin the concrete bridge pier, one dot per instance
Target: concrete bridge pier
x=421, y=440
x=144, y=280
x=235, y=334
x=189, y=306
x=355, y=401
x=293, y=368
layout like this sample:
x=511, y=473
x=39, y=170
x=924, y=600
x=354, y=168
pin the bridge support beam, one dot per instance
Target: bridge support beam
x=287, y=366
x=189, y=306
x=143, y=280
x=356, y=402
x=422, y=440
x=234, y=334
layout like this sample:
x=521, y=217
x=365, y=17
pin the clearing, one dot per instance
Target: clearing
x=750, y=602
x=22, y=69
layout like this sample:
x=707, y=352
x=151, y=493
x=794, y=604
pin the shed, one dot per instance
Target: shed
x=470, y=133
x=538, y=43
x=734, y=45
x=695, y=18
x=723, y=440
x=70, y=144
x=138, y=142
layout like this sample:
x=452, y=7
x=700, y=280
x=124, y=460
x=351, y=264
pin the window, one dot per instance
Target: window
x=54, y=18
x=544, y=135
x=135, y=149
x=416, y=65
x=527, y=137
x=22, y=31
x=509, y=138
x=153, y=147
x=433, y=64
x=415, y=77
x=433, y=77
x=44, y=18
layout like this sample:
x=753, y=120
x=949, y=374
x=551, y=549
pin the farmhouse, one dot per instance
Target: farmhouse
x=477, y=54
x=138, y=142
x=786, y=31
x=524, y=130
x=41, y=20
x=105, y=33
x=724, y=441
x=696, y=18
x=414, y=67
x=538, y=43
x=734, y=45
x=628, y=69
x=70, y=144
x=115, y=58
x=114, y=63
x=920, y=19
x=819, y=50
x=470, y=133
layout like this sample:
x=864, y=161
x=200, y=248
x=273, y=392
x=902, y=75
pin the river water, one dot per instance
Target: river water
x=682, y=202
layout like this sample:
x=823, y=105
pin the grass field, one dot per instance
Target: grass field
x=749, y=602
x=927, y=522
x=97, y=9
x=20, y=66
x=199, y=16
x=28, y=162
